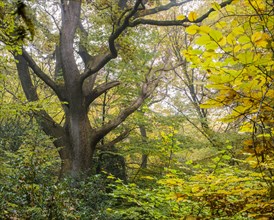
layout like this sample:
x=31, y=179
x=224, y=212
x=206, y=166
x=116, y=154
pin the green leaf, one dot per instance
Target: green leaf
x=203, y=40
x=244, y=39
x=216, y=35
x=226, y=157
x=189, y=162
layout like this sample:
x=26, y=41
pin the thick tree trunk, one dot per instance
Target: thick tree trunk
x=76, y=140
x=79, y=130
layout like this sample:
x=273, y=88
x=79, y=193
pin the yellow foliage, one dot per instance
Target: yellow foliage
x=260, y=39
x=180, y=17
x=192, y=16
x=192, y=29
x=216, y=6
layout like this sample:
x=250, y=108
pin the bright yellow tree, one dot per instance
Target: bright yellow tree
x=238, y=54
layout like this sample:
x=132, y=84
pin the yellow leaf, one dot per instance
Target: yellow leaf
x=216, y=35
x=204, y=29
x=216, y=6
x=195, y=189
x=147, y=177
x=231, y=39
x=256, y=36
x=246, y=127
x=260, y=39
x=238, y=31
x=230, y=9
x=243, y=39
x=221, y=24
x=247, y=46
x=180, y=199
x=203, y=40
x=213, y=15
x=180, y=17
x=192, y=16
x=211, y=104
x=111, y=177
x=222, y=42
x=234, y=23
x=221, y=191
x=237, y=48
x=192, y=29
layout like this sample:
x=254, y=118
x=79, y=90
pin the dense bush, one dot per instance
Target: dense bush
x=30, y=187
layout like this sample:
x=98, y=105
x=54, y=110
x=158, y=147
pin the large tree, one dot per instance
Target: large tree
x=79, y=60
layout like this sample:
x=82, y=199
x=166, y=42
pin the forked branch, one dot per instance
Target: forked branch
x=44, y=77
x=112, y=53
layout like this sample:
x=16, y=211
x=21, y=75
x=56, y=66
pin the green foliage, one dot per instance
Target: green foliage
x=16, y=24
x=217, y=190
x=30, y=189
x=209, y=183
x=27, y=173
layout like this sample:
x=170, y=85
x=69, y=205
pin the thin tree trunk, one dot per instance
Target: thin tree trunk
x=144, y=139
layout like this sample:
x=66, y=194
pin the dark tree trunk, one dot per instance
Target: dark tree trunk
x=76, y=140
x=79, y=131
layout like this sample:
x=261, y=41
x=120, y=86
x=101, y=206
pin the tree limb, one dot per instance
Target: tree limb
x=147, y=89
x=49, y=126
x=112, y=53
x=116, y=140
x=160, y=8
x=185, y=22
x=86, y=57
x=99, y=90
x=44, y=77
x=25, y=79
x=166, y=23
x=71, y=11
x=88, y=60
x=99, y=62
x=105, y=129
